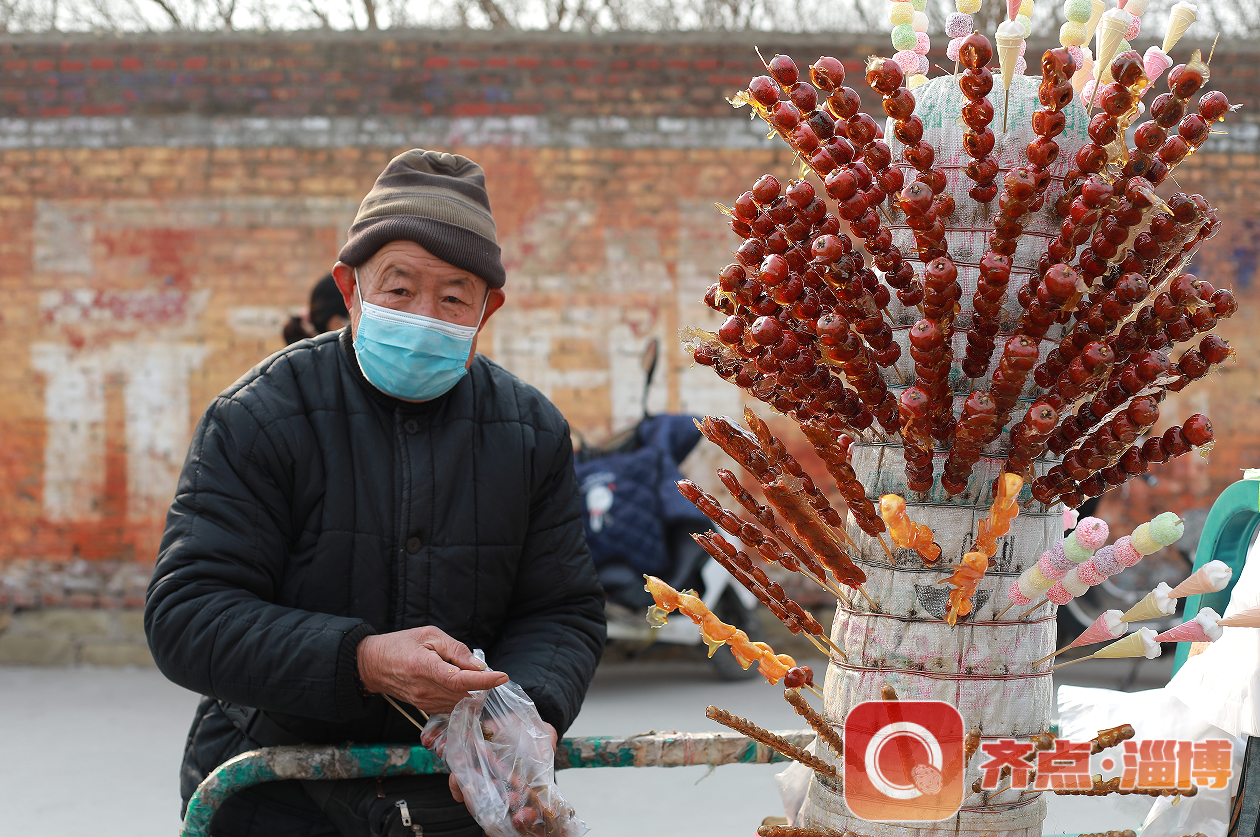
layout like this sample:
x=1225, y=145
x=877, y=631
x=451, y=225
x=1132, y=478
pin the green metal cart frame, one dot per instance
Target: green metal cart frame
x=668, y=749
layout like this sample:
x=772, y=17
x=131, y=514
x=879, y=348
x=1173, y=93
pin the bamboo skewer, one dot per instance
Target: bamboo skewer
x=1069, y=662
x=1024, y=615
x=1051, y=656
x=417, y=724
x=1003, y=613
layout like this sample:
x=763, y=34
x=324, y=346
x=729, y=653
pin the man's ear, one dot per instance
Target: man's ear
x=495, y=297
x=343, y=275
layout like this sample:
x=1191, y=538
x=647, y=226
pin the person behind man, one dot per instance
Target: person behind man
x=327, y=312
x=360, y=510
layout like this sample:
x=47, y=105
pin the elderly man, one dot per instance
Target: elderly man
x=361, y=510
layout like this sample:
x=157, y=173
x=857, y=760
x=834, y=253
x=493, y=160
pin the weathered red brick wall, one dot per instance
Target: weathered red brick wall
x=167, y=202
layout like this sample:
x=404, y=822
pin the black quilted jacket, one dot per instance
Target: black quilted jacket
x=313, y=510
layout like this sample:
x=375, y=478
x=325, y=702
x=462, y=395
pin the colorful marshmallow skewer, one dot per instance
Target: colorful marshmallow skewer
x=1148, y=538
x=1140, y=643
x=1106, y=628
x=1076, y=548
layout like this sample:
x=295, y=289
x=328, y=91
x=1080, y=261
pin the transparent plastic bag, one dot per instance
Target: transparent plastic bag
x=498, y=749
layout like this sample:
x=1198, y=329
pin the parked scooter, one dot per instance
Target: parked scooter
x=637, y=523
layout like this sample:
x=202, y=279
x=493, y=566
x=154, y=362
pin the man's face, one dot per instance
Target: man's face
x=406, y=277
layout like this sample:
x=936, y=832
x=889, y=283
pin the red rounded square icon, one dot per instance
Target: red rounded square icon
x=903, y=760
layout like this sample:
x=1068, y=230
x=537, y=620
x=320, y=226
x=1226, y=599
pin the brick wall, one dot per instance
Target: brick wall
x=169, y=201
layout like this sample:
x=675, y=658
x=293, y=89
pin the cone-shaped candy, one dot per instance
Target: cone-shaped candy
x=1203, y=628
x=1106, y=627
x=1179, y=19
x=1009, y=37
x=1211, y=577
x=1110, y=33
x=1140, y=643
x=1154, y=604
x=1246, y=618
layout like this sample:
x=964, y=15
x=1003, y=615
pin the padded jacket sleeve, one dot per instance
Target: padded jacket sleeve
x=555, y=630
x=208, y=616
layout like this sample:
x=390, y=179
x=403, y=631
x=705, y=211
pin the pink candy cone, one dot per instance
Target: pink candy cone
x=1106, y=627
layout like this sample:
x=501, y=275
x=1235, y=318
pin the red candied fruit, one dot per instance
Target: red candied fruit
x=804, y=96
x=884, y=75
x=1215, y=349
x=766, y=189
x=764, y=90
x=731, y=332
x=827, y=73
x=1197, y=430
x=766, y=331
x=975, y=51
x=784, y=70
x=800, y=193
x=1213, y=106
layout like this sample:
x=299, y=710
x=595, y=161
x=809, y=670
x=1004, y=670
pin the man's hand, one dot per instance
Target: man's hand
x=423, y=667
x=459, y=796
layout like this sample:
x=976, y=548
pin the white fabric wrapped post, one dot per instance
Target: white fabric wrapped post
x=978, y=665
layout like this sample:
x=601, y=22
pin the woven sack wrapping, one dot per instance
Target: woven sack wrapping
x=977, y=666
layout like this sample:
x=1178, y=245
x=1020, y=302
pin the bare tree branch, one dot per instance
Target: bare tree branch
x=170, y=12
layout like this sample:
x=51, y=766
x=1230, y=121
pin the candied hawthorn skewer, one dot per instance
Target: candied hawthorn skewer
x=769, y=593
x=1028, y=438
x=834, y=452
x=777, y=743
x=765, y=516
x=977, y=415
x=776, y=453
x=966, y=577
x=817, y=536
x=976, y=82
x=916, y=436
x=715, y=632
x=1196, y=433
x=929, y=347
x=905, y=532
x=825, y=731
x=1002, y=511
x=1057, y=290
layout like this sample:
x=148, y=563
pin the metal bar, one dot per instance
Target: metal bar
x=668, y=749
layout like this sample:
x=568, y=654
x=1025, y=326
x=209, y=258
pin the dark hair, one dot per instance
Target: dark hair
x=326, y=303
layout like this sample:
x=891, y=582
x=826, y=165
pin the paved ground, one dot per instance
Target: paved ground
x=94, y=750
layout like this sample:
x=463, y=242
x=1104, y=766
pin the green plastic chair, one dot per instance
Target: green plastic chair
x=1227, y=534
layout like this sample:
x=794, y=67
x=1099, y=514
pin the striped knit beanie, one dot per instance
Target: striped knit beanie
x=437, y=200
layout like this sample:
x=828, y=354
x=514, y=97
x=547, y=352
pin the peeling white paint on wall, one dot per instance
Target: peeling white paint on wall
x=157, y=419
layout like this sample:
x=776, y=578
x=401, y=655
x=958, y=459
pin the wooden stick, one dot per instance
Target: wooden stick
x=866, y=596
x=814, y=689
x=1024, y=615
x=1007, y=105
x=1051, y=656
x=822, y=649
x=423, y=714
x=887, y=551
x=1003, y=613
x=1069, y=662
x=834, y=647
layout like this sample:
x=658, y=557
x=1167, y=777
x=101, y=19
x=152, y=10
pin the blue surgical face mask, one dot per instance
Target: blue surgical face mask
x=408, y=356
